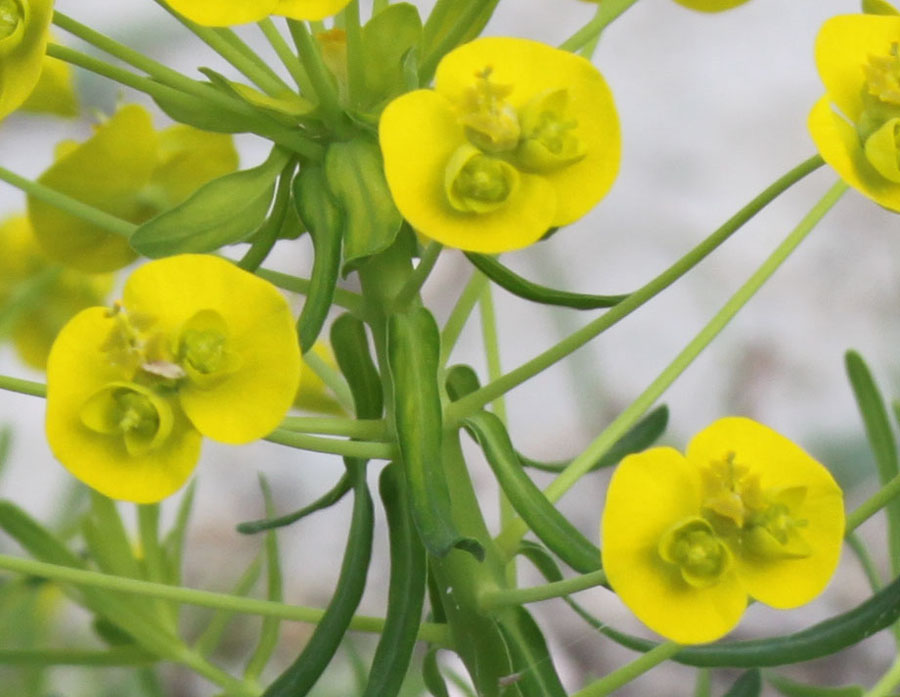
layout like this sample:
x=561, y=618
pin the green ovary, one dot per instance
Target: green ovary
x=477, y=183
x=773, y=532
x=548, y=138
x=129, y=411
x=204, y=350
x=12, y=17
x=696, y=550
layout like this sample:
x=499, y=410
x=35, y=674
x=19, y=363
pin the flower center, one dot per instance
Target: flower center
x=477, y=183
x=699, y=553
x=132, y=342
x=12, y=17
x=491, y=123
x=548, y=138
x=204, y=350
x=142, y=418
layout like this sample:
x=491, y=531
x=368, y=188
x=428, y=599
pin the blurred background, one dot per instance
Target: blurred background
x=713, y=109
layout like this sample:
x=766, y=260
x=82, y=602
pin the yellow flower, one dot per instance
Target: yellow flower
x=40, y=294
x=516, y=137
x=745, y=512
x=703, y=5
x=855, y=125
x=24, y=27
x=225, y=13
x=197, y=346
x=129, y=170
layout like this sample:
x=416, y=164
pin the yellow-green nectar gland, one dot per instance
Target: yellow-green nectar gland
x=548, y=139
x=699, y=553
x=490, y=122
x=878, y=126
x=478, y=183
x=132, y=412
x=12, y=18
x=204, y=350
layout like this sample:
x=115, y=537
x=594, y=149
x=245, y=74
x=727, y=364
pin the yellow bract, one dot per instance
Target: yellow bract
x=40, y=295
x=54, y=92
x=196, y=347
x=226, y=13
x=855, y=125
x=131, y=171
x=24, y=28
x=745, y=512
x=516, y=137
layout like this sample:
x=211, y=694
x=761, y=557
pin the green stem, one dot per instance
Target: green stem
x=332, y=378
x=342, y=298
x=322, y=81
x=865, y=561
x=888, y=682
x=29, y=387
x=491, y=346
x=434, y=633
x=348, y=448
x=509, y=537
x=607, y=11
x=873, y=504
x=587, y=51
x=702, y=687
x=116, y=656
x=417, y=278
x=363, y=429
x=558, y=589
x=287, y=57
x=356, y=76
x=460, y=315
x=475, y=401
x=68, y=204
x=624, y=675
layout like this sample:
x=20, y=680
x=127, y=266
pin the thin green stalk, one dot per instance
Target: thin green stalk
x=624, y=675
x=332, y=378
x=254, y=70
x=287, y=57
x=489, y=392
x=608, y=11
x=587, y=51
x=888, y=682
x=95, y=216
x=148, y=527
x=557, y=589
x=702, y=687
x=873, y=504
x=356, y=75
x=342, y=298
x=363, y=429
x=115, y=656
x=232, y=686
x=29, y=387
x=491, y=346
x=865, y=561
x=322, y=81
x=509, y=537
x=460, y=315
x=419, y=275
x=435, y=633
x=348, y=448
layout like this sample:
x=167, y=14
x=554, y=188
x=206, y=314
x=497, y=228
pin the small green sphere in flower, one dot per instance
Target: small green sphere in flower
x=24, y=29
x=515, y=138
x=197, y=347
x=226, y=13
x=745, y=512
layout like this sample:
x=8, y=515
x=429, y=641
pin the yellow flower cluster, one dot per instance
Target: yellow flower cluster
x=516, y=138
x=197, y=347
x=856, y=125
x=226, y=13
x=746, y=512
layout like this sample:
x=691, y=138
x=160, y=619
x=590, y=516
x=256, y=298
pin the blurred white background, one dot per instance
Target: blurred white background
x=713, y=109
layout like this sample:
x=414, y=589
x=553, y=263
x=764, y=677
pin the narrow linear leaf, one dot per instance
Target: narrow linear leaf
x=413, y=342
x=322, y=218
x=749, y=684
x=201, y=114
x=535, y=673
x=351, y=351
x=510, y=281
x=174, y=541
x=790, y=688
x=881, y=439
x=212, y=634
x=431, y=674
x=286, y=106
x=298, y=679
x=223, y=211
x=328, y=499
x=550, y=526
x=406, y=590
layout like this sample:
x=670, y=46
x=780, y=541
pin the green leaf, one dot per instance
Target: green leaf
x=550, y=526
x=790, y=688
x=406, y=590
x=881, y=440
x=515, y=284
x=328, y=499
x=823, y=639
x=174, y=541
x=351, y=351
x=445, y=17
x=223, y=211
x=535, y=674
x=749, y=684
x=413, y=344
x=431, y=673
x=462, y=380
x=212, y=634
x=322, y=218
x=6, y=440
x=298, y=679
x=387, y=38
x=355, y=175
x=286, y=104
x=202, y=114
x=878, y=7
